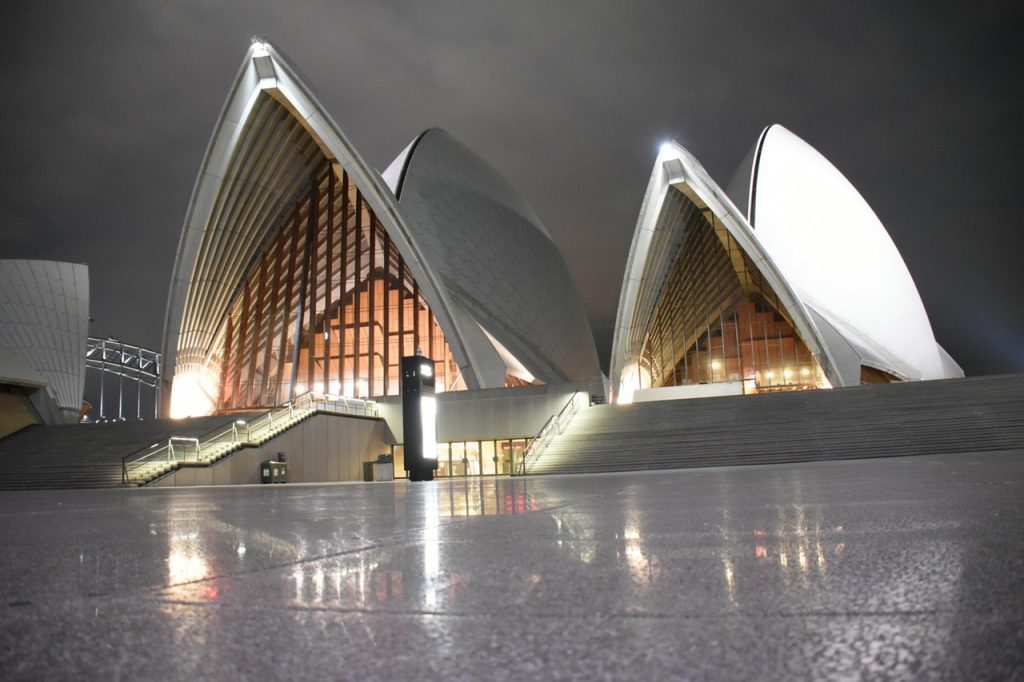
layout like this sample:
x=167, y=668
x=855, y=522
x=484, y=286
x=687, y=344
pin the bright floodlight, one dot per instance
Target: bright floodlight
x=260, y=47
x=189, y=398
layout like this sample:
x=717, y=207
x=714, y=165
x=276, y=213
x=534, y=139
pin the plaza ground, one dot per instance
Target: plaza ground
x=903, y=567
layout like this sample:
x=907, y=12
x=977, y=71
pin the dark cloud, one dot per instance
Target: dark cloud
x=107, y=109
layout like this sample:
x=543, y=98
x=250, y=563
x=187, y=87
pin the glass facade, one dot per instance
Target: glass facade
x=718, y=320
x=472, y=458
x=330, y=307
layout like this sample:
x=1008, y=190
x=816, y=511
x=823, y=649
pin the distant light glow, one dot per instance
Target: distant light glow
x=427, y=370
x=260, y=48
x=185, y=567
x=633, y=377
x=730, y=577
x=190, y=396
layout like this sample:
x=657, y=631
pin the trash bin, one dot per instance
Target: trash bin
x=273, y=471
x=384, y=468
x=279, y=470
x=367, y=471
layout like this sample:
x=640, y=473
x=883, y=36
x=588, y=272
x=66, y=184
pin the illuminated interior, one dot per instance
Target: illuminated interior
x=717, y=319
x=472, y=458
x=328, y=306
x=873, y=375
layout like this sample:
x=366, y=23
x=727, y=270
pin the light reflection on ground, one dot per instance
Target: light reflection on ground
x=818, y=561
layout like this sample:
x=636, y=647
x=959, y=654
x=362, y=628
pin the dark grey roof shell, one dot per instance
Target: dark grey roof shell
x=494, y=257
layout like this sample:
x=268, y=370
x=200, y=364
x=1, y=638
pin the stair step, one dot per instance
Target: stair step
x=983, y=413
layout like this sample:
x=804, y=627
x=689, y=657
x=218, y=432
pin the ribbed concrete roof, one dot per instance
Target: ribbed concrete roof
x=494, y=257
x=271, y=133
x=44, y=324
x=274, y=158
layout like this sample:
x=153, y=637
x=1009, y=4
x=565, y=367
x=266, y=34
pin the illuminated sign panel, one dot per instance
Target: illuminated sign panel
x=419, y=417
x=428, y=419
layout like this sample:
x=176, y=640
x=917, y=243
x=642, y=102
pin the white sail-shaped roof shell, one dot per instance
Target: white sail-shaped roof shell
x=44, y=325
x=651, y=257
x=837, y=256
x=253, y=166
x=246, y=177
x=515, y=297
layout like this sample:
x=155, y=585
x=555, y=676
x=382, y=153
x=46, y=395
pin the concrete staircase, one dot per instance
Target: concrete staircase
x=138, y=453
x=87, y=455
x=916, y=418
x=146, y=465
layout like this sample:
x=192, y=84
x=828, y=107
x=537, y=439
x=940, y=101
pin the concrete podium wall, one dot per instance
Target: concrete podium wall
x=686, y=392
x=487, y=414
x=324, y=448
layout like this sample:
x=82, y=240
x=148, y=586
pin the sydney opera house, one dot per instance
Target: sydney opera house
x=302, y=270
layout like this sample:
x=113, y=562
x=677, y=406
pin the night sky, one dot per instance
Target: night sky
x=108, y=107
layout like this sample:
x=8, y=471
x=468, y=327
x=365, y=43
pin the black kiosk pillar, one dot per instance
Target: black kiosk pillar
x=419, y=417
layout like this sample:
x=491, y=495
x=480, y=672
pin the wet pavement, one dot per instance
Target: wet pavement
x=888, y=568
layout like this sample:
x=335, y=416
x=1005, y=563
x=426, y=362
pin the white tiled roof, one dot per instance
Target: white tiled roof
x=44, y=323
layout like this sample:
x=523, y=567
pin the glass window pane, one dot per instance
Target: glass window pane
x=488, y=462
x=398, y=453
x=504, y=457
x=518, y=446
x=473, y=458
x=458, y=463
x=350, y=333
x=443, y=466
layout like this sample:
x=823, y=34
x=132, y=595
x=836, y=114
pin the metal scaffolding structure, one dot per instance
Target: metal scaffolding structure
x=139, y=367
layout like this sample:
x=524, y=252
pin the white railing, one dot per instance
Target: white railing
x=338, y=404
x=554, y=426
x=180, y=454
x=143, y=465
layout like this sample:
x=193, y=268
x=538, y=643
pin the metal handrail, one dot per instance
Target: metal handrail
x=259, y=429
x=555, y=425
x=182, y=439
x=325, y=402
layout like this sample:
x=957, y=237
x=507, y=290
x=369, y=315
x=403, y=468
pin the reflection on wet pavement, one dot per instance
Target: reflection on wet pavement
x=902, y=567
